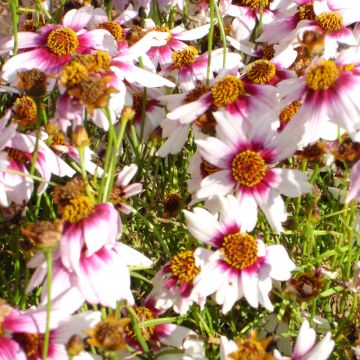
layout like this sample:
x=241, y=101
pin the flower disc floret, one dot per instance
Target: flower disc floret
x=322, y=75
x=62, y=41
x=73, y=73
x=183, y=267
x=25, y=111
x=261, y=71
x=290, y=111
x=255, y=4
x=183, y=57
x=306, y=11
x=78, y=209
x=248, y=168
x=227, y=90
x=30, y=343
x=239, y=250
x=113, y=28
x=330, y=20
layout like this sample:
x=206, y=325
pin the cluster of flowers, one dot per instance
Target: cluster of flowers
x=285, y=84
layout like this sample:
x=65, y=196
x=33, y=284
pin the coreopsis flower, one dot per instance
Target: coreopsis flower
x=245, y=158
x=123, y=189
x=306, y=347
x=52, y=46
x=173, y=284
x=239, y=264
x=245, y=349
x=190, y=68
x=327, y=93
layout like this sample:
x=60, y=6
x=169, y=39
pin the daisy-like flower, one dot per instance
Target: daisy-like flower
x=245, y=159
x=52, y=46
x=327, y=91
x=245, y=349
x=174, y=282
x=306, y=347
x=123, y=189
x=240, y=265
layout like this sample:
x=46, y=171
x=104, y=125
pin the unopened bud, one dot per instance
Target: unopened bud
x=33, y=82
x=75, y=345
x=44, y=235
x=80, y=138
x=127, y=114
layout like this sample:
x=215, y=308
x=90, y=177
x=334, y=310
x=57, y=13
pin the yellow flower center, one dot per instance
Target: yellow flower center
x=251, y=349
x=322, y=75
x=183, y=267
x=30, y=343
x=255, y=4
x=248, y=168
x=25, y=111
x=239, y=250
x=101, y=60
x=306, y=11
x=62, y=41
x=227, y=90
x=330, y=21
x=109, y=334
x=113, y=28
x=261, y=71
x=183, y=57
x=143, y=314
x=78, y=209
x=73, y=73
x=290, y=111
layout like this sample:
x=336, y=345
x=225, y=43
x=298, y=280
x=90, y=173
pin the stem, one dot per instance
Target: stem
x=222, y=31
x=48, y=255
x=38, y=125
x=210, y=40
x=14, y=8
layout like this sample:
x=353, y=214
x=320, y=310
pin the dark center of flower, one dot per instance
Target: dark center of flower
x=171, y=202
x=196, y=93
x=183, y=267
x=268, y=51
x=261, y=71
x=78, y=209
x=113, y=28
x=227, y=90
x=183, y=57
x=144, y=314
x=24, y=111
x=322, y=75
x=33, y=82
x=248, y=168
x=14, y=154
x=30, y=343
x=62, y=41
x=306, y=11
x=137, y=102
x=239, y=250
x=207, y=168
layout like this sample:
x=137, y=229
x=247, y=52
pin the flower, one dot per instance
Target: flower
x=245, y=158
x=305, y=348
x=240, y=264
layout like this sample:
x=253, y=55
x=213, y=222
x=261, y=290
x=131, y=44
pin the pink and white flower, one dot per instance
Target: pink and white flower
x=239, y=264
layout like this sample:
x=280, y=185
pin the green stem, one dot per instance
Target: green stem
x=48, y=255
x=210, y=40
x=222, y=30
x=38, y=126
x=15, y=19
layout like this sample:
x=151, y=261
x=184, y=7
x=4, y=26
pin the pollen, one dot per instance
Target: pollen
x=78, y=209
x=113, y=28
x=196, y=93
x=138, y=98
x=322, y=75
x=171, y=203
x=267, y=51
x=306, y=11
x=109, y=334
x=30, y=343
x=14, y=154
x=239, y=250
x=255, y=4
x=227, y=90
x=144, y=314
x=248, y=168
x=251, y=349
x=99, y=61
x=24, y=111
x=73, y=73
x=183, y=267
x=330, y=21
x=261, y=71
x=62, y=41
x=56, y=137
x=183, y=57
x=208, y=169
x=33, y=82
x=289, y=111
